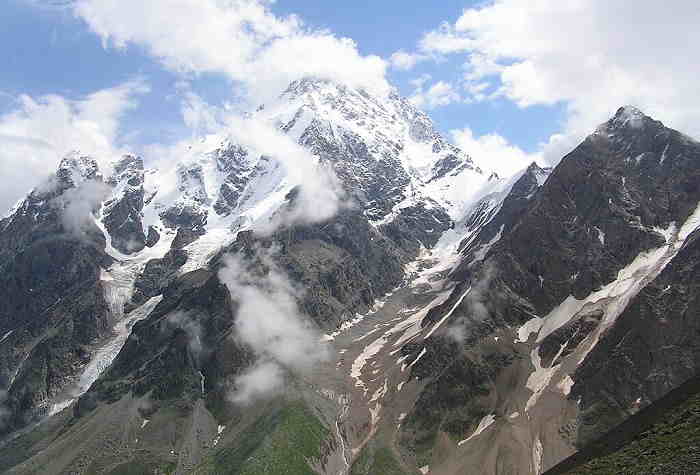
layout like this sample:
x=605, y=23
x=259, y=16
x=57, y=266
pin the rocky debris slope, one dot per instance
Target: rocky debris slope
x=536, y=299
x=457, y=321
x=148, y=246
x=52, y=302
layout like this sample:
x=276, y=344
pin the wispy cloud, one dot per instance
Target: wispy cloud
x=39, y=131
x=269, y=321
x=77, y=206
x=242, y=39
x=591, y=56
x=439, y=94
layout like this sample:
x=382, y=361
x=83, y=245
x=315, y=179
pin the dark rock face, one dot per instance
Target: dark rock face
x=566, y=339
x=157, y=276
x=343, y=264
x=52, y=303
x=153, y=237
x=185, y=216
x=417, y=225
x=599, y=209
x=377, y=185
x=653, y=347
x=188, y=214
x=452, y=402
x=122, y=214
x=187, y=333
x=493, y=221
x=596, y=212
x=232, y=160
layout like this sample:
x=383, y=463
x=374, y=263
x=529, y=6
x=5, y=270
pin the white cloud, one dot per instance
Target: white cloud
x=262, y=380
x=269, y=322
x=405, y=61
x=239, y=38
x=493, y=152
x=320, y=194
x=39, y=131
x=78, y=204
x=439, y=94
x=261, y=52
x=592, y=56
x=199, y=116
x=420, y=81
x=444, y=40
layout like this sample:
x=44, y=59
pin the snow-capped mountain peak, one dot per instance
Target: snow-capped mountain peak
x=75, y=168
x=381, y=147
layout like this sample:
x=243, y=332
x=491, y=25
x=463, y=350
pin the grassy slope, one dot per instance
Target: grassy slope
x=670, y=444
x=374, y=461
x=280, y=443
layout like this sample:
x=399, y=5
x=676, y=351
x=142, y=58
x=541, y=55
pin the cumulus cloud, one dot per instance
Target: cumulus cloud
x=493, y=152
x=260, y=381
x=444, y=40
x=421, y=80
x=591, y=56
x=262, y=53
x=199, y=116
x=439, y=94
x=241, y=39
x=404, y=61
x=270, y=323
x=39, y=131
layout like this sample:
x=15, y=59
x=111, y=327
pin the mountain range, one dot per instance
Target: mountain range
x=329, y=286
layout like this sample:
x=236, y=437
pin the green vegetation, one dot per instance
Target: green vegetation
x=281, y=443
x=670, y=446
x=376, y=461
x=142, y=467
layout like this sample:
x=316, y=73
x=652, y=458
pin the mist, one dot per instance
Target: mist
x=187, y=322
x=320, y=192
x=475, y=304
x=77, y=206
x=270, y=323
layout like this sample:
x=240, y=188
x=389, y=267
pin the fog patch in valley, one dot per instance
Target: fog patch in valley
x=476, y=305
x=269, y=322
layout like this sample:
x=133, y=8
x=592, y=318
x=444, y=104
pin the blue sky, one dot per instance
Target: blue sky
x=509, y=81
x=50, y=51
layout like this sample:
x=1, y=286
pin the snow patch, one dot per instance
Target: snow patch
x=6, y=336
x=539, y=379
x=565, y=385
x=531, y=326
x=537, y=452
x=219, y=430
x=601, y=235
x=420, y=355
x=448, y=314
x=484, y=424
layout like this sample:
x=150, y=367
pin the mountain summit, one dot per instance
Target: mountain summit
x=329, y=286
